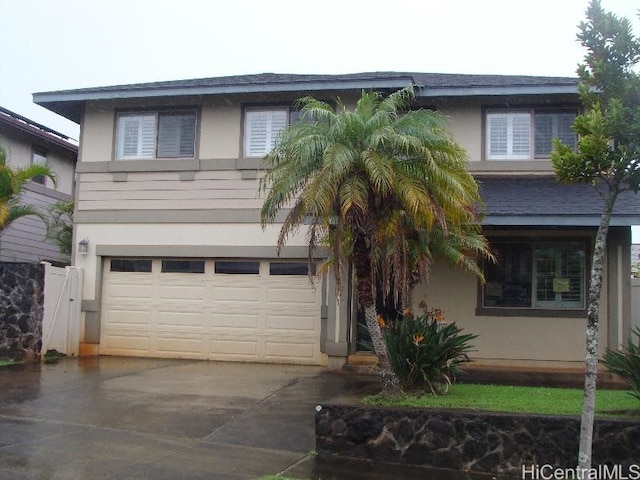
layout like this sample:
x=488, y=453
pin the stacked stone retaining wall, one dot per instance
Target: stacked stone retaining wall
x=21, y=310
x=469, y=441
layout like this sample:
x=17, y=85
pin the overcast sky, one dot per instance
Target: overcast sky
x=64, y=44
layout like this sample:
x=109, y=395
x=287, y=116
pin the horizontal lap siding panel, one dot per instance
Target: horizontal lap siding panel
x=25, y=239
x=240, y=194
x=171, y=205
x=168, y=194
x=129, y=185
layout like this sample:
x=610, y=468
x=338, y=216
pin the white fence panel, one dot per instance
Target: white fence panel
x=62, y=302
x=635, y=303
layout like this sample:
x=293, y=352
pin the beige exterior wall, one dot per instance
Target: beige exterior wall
x=533, y=341
x=465, y=123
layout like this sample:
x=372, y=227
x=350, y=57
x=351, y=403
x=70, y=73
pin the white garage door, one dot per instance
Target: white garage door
x=264, y=311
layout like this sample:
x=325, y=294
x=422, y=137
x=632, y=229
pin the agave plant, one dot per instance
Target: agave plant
x=626, y=362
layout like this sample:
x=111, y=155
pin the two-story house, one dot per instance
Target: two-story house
x=27, y=142
x=177, y=263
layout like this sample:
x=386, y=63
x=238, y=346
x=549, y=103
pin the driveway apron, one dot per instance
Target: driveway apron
x=110, y=417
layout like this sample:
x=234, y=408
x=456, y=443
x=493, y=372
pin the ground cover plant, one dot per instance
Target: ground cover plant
x=516, y=399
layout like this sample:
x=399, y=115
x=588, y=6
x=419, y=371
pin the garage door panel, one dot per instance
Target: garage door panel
x=244, y=294
x=125, y=318
x=180, y=346
x=295, y=295
x=181, y=292
x=177, y=320
x=282, y=350
x=269, y=318
x=234, y=320
x=292, y=321
x=233, y=347
x=130, y=291
x=140, y=344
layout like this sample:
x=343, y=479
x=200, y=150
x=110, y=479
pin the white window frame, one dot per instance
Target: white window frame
x=510, y=118
x=262, y=125
x=145, y=140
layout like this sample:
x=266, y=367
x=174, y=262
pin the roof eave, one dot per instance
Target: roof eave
x=69, y=103
x=481, y=91
x=557, y=220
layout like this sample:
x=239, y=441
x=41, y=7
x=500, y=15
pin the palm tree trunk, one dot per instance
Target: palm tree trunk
x=595, y=289
x=364, y=287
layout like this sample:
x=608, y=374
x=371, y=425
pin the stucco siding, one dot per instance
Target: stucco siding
x=507, y=340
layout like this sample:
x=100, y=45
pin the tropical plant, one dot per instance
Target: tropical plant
x=377, y=186
x=60, y=225
x=425, y=351
x=607, y=155
x=626, y=362
x=12, y=183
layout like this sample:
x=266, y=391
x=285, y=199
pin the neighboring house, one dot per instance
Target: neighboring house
x=178, y=265
x=635, y=254
x=27, y=142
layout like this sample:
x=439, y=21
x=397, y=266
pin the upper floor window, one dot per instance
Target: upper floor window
x=261, y=129
x=161, y=134
x=39, y=157
x=527, y=134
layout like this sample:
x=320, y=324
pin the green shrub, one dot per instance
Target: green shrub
x=425, y=351
x=626, y=362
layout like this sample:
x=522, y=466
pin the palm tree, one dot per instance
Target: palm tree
x=12, y=183
x=383, y=188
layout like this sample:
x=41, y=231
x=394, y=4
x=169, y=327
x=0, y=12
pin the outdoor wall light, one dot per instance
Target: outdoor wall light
x=83, y=246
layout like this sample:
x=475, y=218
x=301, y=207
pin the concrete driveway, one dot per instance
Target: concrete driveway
x=126, y=418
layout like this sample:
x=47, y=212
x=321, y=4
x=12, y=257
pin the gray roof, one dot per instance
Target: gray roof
x=542, y=201
x=69, y=103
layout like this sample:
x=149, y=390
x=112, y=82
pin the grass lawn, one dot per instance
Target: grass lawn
x=498, y=398
x=5, y=363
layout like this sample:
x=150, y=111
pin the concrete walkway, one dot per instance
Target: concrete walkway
x=124, y=418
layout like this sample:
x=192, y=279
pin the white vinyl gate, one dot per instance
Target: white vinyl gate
x=62, y=302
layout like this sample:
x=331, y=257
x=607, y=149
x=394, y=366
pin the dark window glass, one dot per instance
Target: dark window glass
x=183, y=266
x=545, y=274
x=508, y=282
x=291, y=268
x=176, y=134
x=39, y=158
x=127, y=265
x=238, y=268
x=550, y=125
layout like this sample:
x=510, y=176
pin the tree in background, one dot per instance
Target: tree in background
x=383, y=188
x=60, y=225
x=12, y=183
x=607, y=155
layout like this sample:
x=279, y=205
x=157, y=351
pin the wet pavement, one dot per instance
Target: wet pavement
x=126, y=418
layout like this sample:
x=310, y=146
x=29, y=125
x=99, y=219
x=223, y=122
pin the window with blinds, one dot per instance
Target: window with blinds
x=149, y=135
x=527, y=134
x=536, y=274
x=261, y=129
